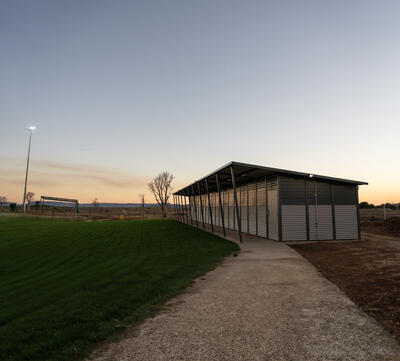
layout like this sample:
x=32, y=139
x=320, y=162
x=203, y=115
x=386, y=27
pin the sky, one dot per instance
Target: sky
x=122, y=90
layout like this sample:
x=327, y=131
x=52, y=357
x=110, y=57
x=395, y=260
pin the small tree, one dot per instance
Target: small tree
x=390, y=206
x=141, y=197
x=3, y=199
x=30, y=196
x=95, y=204
x=161, y=188
x=364, y=205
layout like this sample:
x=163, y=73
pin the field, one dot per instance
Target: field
x=66, y=285
x=86, y=212
x=368, y=214
x=368, y=272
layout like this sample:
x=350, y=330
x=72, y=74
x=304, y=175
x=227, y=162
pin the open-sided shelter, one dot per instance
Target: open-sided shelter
x=272, y=203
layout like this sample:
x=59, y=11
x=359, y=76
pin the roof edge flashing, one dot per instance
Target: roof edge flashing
x=269, y=171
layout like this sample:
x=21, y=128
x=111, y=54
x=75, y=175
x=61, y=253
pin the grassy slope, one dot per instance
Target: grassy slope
x=66, y=284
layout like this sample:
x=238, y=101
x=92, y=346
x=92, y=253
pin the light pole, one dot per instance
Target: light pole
x=31, y=129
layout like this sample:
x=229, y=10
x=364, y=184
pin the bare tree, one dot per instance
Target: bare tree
x=3, y=199
x=95, y=204
x=161, y=188
x=29, y=197
x=141, y=197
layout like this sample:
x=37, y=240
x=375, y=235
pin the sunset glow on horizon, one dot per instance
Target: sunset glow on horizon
x=121, y=93
x=110, y=185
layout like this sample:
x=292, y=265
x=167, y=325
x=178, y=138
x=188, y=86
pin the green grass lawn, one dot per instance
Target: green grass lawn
x=65, y=285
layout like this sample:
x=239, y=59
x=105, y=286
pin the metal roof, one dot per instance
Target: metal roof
x=245, y=173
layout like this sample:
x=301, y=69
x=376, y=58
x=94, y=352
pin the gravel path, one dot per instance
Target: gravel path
x=268, y=303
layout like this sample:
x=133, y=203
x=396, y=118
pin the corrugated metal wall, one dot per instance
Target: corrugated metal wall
x=243, y=208
x=308, y=209
x=252, y=201
x=273, y=221
x=293, y=209
x=261, y=209
x=294, y=222
x=328, y=210
x=320, y=222
x=252, y=211
x=346, y=222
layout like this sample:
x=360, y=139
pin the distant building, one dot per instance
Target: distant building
x=272, y=203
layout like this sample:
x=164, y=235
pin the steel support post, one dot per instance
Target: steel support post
x=279, y=208
x=266, y=209
x=178, y=208
x=195, y=208
x=316, y=209
x=201, y=206
x=248, y=210
x=307, y=209
x=220, y=204
x=333, y=211
x=190, y=208
x=186, y=210
x=256, y=201
x=240, y=206
x=176, y=214
x=209, y=207
x=358, y=213
x=236, y=204
x=182, y=211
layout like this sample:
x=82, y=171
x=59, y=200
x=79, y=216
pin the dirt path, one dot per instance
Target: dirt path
x=268, y=303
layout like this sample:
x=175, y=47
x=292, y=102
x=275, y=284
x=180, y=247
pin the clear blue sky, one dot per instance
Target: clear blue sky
x=121, y=90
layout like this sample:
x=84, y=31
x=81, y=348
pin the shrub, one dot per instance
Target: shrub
x=394, y=224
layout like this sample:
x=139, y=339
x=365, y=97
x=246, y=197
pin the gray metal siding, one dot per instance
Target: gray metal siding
x=217, y=210
x=320, y=222
x=205, y=208
x=242, y=197
x=252, y=212
x=330, y=207
x=225, y=200
x=318, y=195
x=273, y=214
x=292, y=191
x=346, y=222
x=261, y=210
x=294, y=222
x=318, y=192
x=252, y=208
x=345, y=194
x=231, y=210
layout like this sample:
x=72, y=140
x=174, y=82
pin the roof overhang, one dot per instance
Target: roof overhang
x=245, y=173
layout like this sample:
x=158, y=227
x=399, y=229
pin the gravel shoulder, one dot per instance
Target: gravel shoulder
x=269, y=303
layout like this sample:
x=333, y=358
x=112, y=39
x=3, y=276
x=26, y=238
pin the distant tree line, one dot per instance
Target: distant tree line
x=365, y=205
